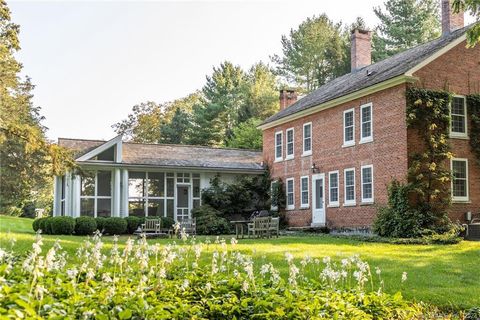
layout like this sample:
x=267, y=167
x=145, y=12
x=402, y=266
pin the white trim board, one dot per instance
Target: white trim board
x=110, y=143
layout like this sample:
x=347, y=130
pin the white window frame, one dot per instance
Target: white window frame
x=459, y=199
x=346, y=202
x=461, y=135
x=367, y=200
x=95, y=196
x=307, y=152
x=292, y=205
x=348, y=143
x=303, y=204
x=370, y=137
x=289, y=156
x=278, y=133
x=330, y=202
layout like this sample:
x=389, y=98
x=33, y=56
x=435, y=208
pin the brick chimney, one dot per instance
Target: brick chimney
x=450, y=21
x=287, y=98
x=361, y=52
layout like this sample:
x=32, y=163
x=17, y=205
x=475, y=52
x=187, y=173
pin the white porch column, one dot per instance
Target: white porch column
x=124, y=192
x=68, y=194
x=116, y=193
x=56, y=197
x=76, y=196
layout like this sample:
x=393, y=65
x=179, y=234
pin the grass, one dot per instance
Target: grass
x=444, y=275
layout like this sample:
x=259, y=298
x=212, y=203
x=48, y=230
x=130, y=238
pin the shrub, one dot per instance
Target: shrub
x=39, y=224
x=473, y=314
x=132, y=224
x=62, y=225
x=115, y=225
x=101, y=221
x=167, y=222
x=209, y=221
x=47, y=225
x=85, y=225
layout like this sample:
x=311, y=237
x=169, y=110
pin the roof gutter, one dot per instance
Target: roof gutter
x=343, y=99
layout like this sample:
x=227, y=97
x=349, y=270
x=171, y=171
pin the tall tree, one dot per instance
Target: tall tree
x=472, y=6
x=405, y=24
x=313, y=54
x=143, y=124
x=177, y=130
x=27, y=159
x=260, y=92
x=247, y=136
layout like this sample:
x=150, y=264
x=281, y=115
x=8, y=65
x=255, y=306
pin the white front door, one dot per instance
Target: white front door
x=183, y=203
x=318, y=200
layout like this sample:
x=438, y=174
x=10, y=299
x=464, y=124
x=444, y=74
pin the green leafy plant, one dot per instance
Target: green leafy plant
x=39, y=224
x=101, y=222
x=132, y=224
x=167, y=222
x=473, y=103
x=62, y=225
x=85, y=225
x=115, y=226
x=210, y=221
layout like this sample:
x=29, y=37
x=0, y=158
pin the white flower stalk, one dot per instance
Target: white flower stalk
x=404, y=277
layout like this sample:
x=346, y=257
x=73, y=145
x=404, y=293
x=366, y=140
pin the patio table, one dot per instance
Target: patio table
x=240, y=227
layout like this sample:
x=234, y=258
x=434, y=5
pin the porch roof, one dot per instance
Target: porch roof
x=172, y=156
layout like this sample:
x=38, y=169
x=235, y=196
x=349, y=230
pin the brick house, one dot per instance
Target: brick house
x=338, y=148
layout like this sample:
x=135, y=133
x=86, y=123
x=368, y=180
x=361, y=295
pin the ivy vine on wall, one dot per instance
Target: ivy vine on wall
x=428, y=113
x=473, y=104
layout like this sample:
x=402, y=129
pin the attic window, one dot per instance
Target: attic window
x=107, y=155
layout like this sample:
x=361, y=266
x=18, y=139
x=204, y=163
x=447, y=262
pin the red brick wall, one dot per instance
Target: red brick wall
x=387, y=153
x=457, y=71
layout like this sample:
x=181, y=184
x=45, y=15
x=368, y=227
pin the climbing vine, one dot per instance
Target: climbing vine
x=428, y=174
x=473, y=104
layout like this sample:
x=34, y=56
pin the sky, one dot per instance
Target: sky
x=92, y=62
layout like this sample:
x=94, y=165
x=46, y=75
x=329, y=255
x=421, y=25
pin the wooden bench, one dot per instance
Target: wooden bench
x=260, y=227
x=152, y=226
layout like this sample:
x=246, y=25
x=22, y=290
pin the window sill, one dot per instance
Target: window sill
x=350, y=204
x=335, y=205
x=461, y=201
x=367, y=140
x=459, y=136
x=347, y=145
x=290, y=209
x=306, y=154
x=367, y=203
x=304, y=207
x=289, y=158
x=278, y=160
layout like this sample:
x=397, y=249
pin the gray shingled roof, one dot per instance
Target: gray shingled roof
x=163, y=155
x=379, y=72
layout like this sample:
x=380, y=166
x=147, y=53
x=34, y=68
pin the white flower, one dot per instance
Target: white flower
x=288, y=257
x=404, y=276
x=208, y=287
x=245, y=286
x=233, y=241
x=378, y=271
x=185, y=285
x=327, y=260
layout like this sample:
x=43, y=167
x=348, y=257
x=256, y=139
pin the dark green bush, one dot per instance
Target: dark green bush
x=85, y=225
x=210, y=221
x=115, y=226
x=47, y=225
x=39, y=224
x=167, y=222
x=101, y=221
x=62, y=225
x=132, y=224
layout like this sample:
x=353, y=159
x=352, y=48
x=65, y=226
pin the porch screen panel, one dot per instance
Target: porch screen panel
x=96, y=193
x=196, y=190
x=136, y=193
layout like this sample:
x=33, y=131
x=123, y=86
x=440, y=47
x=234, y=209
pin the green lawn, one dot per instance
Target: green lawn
x=447, y=276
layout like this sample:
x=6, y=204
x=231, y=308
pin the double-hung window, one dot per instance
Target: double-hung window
x=307, y=139
x=458, y=117
x=279, y=146
x=290, y=194
x=274, y=195
x=367, y=184
x=290, y=141
x=333, y=189
x=349, y=127
x=366, y=123
x=460, y=179
x=304, y=192
x=349, y=182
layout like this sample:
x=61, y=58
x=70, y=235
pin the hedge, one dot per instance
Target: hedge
x=115, y=225
x=85, y=225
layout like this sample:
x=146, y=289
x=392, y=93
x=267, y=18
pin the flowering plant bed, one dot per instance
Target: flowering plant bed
x=182, y=281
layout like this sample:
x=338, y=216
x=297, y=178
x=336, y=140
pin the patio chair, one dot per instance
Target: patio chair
x=190, y=226
x=274, y=226
x=152, y=226
x=260, y=227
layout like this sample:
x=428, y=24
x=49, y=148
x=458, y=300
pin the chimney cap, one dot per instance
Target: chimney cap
x=362, y=31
